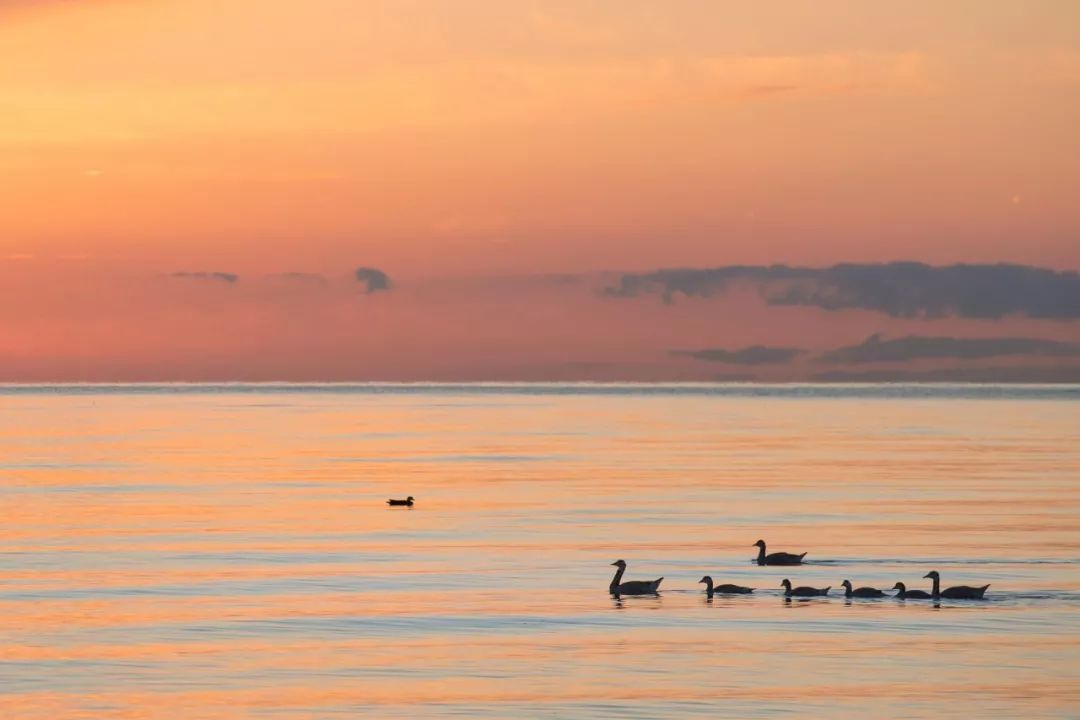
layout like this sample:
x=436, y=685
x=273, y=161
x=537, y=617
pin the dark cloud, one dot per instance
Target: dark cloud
x=1014, y=374
x=753, y=355
x=899, y=289
x=372, y=279
x=230, y=278
x=917, y=347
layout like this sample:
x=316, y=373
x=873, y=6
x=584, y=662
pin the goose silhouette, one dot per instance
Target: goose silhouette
x=776, y=558
x=863, y=592
x=631, y=587
x=904, y=594
x=803, y=591
x=957, y=592
x=724, y=589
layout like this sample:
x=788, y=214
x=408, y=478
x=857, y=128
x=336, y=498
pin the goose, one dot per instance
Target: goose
x=407, y=501
x=958, y=592
x=802, y=591
x=631, y=587
x=725, y=589
x=905, y=594
x=864, y=592
x=777, y=558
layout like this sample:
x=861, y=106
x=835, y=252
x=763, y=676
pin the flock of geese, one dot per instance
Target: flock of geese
x=618, y=588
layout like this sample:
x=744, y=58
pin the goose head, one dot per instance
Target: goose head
x=846, y=583
x=900, y=586
x=759, y=543
x=786, y=584
x=619, y=563
x=705, y=579
x=933, y=575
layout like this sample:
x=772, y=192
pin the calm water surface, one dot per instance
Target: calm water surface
x=224, y=551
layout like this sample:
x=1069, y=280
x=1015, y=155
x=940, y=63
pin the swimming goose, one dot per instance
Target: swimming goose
x=631, y=587
x=777, y=558
x=864, y=592
x=725, y=589
x=905, y=594
x=802, y=591
x=407, y=501
x=958, y=592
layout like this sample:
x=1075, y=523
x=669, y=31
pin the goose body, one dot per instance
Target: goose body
x=904, y=594
x=776, y=558
x=957, y=592
x=863, y=592
x=724, y=589
x=802, y=591
x=407, y=501
x=631, y=587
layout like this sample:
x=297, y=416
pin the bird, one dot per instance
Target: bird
x=905, y=594
x=777, y=558
x=863, y=592
x=802, y=591
x=958, y=592
x=631, y=587
x=407, y=501
x=726, y=589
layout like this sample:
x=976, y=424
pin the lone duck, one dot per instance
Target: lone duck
x=407, y=501
x=777, y=558
x=863, y=592
x=631, y=587
x=725, y=589
x=905, y=594
x=958, y=592
x=802, y=591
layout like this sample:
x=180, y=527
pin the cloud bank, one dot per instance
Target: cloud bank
x=230, y=278
x=897, y=289
x=753, y=355
x=916, y=347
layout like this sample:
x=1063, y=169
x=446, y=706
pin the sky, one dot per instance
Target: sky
x=189, y=187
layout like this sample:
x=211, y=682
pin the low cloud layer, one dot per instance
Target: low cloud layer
x=917, y=347
x=372, y=279
x=898, y=289
x=1009, y=374
x=230, y=278
x=753, y=355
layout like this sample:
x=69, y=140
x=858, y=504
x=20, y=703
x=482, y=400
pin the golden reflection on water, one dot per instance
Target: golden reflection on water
x=230, y=555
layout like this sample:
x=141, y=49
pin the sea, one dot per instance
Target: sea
x=226, y=550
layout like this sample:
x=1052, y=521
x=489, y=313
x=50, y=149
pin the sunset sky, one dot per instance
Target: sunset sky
x=190, y=186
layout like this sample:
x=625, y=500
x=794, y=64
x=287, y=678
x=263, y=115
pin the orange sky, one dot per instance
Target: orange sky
x=446, y=140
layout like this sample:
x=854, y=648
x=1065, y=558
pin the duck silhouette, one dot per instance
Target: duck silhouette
x=407, y=501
